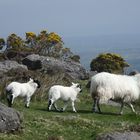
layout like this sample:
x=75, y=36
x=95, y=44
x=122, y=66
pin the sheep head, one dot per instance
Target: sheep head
x=77, y=87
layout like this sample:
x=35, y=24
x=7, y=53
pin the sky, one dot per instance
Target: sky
x=70, y=18
x=87, y=27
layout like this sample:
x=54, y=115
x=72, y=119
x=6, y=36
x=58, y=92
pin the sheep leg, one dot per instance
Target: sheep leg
x=132, y=108
x=12, y=99
x=50, y=104
x=94, y=105
x=55, y=106
x=121, y=110
x=65, y=106
x=73, y=107
x=27, y=102
x=98, y=105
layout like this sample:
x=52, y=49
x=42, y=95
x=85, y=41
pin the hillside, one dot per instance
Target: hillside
x=51, y=63
x=40, y=124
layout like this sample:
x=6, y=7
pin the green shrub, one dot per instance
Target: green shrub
x=76, y=58
x=108, y=62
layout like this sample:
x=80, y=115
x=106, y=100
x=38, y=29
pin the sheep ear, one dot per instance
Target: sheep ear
x=72, y=83
x=31, y=79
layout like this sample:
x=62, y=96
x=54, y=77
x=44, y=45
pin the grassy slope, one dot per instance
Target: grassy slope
x=39, y=124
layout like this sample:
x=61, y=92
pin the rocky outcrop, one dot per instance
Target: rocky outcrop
x=120, y=136
x=17, y=55
x=10, y=119
x=8, y=65
x=51, y=65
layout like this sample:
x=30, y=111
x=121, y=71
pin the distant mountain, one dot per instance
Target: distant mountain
x=128, y=46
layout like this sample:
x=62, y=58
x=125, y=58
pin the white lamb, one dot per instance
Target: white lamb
x=64, y=93
x=25, y=90
x=106, y=86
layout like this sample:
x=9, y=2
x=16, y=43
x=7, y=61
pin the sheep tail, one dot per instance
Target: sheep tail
x=94, y=92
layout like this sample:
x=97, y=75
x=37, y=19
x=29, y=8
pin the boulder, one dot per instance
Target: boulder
x=51, y=65
x=32, y=64
x=7, y=65
x=120, y=136
x=10, y=119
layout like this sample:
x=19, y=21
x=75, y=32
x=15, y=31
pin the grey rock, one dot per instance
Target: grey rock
x=8, y=65
x=120, y=136
x=51, y=65
x=10, y=119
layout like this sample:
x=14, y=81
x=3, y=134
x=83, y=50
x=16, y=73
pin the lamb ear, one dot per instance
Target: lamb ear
x=31, y=79
x=72, y=83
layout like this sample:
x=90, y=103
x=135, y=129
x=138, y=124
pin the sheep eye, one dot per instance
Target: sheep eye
x=78, y=86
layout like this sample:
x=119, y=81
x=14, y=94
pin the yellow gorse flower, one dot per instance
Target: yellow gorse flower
x=30, y=34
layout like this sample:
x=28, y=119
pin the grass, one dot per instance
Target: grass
x=39, y=124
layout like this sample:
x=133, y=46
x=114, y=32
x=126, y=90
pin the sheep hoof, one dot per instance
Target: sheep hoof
x=9, y=105
x=49, y=109
x=121, y=113
x=26, y=106
x=57, y=110
x=136, y=113
x=61, y=110
x=94, y=111
x=100, y=112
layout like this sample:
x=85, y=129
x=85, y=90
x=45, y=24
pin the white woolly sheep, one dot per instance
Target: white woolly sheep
x=123, y=88
x=64, y=93
x=25, y=90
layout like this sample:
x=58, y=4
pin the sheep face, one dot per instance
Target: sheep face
x=38, y=83
x=35, y=81
x=77, y=87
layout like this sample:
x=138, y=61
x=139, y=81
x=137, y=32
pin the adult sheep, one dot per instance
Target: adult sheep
x=106, y=86
x=26, y=90
x=64, y=93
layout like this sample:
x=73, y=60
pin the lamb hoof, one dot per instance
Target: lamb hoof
x=100, y=112
x=26, y=106
x=136, y=113
x=57, y=110
x=61, y=110
x=120, y=113
x=9, y=105
x=48, y=109
x=94, y=111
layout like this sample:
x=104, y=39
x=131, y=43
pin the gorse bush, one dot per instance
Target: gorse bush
x=44, y=43
x=14, y=42
x=54, y=38
x=2, y=43
x=108, y=62
x=43, y=39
